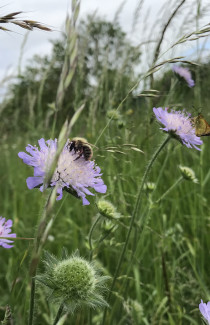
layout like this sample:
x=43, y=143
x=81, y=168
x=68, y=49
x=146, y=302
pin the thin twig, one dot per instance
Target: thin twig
x=157, y=49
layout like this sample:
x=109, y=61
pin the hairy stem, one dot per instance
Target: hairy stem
x=90, y=236
x=179, y=180
x=38, y=244
x=91, y=256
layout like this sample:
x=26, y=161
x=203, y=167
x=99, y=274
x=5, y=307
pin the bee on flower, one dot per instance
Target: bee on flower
x=71, y=174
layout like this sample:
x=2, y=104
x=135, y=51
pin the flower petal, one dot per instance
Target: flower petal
x=34, y=182
x=100, y=188
x=60, y=192
x=5, y=229
x=178, y=123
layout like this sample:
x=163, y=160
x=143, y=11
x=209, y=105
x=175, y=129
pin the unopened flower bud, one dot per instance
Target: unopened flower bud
x=188, y=174
x=74, y=278
x=149, y=186
x=73, y=281
x=107, y=209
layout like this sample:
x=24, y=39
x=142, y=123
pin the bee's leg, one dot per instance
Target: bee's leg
x=80, y=155
x=71, y=147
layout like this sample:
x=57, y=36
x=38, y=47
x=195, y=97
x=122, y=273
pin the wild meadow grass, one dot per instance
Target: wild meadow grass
x=152, y=242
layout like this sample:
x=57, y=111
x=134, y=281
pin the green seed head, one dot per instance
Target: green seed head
x=73, y=281
x=107, y=209
x=74, y=278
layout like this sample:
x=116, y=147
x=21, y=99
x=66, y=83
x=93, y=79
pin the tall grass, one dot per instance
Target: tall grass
x=164, y=271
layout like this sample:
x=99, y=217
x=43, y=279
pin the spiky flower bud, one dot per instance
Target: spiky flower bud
x=107, y=209
x=188, y=174
x=74, y=278
x=73, y=281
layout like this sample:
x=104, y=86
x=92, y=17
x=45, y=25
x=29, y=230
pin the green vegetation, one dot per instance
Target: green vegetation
x=165, y=269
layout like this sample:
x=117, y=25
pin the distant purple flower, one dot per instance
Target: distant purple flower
x=205, y=310
x=70, y=174
x=184, y=73
x=5, y=229
x=179, y=125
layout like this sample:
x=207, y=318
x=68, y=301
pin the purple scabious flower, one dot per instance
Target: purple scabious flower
x=184, y=73
x=71, y=174
x=205, y=310
x=5, y=229
x=179, y=125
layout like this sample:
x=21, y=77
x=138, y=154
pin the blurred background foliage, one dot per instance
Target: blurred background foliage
x=104, y=74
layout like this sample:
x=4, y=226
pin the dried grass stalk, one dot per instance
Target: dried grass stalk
x=23, y=23
x=71, y=55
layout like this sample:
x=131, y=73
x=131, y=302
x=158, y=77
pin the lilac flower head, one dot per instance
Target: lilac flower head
x=71, y=174
x=179, y=125
x=205, y=310
x=184, y=73
x=5, y=229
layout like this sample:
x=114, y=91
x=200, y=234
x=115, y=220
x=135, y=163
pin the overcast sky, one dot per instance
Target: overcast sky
x=53, y=13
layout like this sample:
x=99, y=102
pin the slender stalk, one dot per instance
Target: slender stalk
x=59, y=313
x=32, y=300
x=90, y=236
x=179, y=180
x=38, y=244
x=165, y=278
x=90, y=317
x=157, y=49
x=91, y=255
x=136, y=209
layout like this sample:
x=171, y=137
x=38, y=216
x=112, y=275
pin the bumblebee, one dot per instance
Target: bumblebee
x=81, y=147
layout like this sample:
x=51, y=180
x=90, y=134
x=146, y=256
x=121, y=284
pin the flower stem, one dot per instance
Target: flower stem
x=32, y=300
x=136, y=209
x=90, y=236
x=38, y=244
x=59, y=313
x=170, y=189
x=91, y=256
